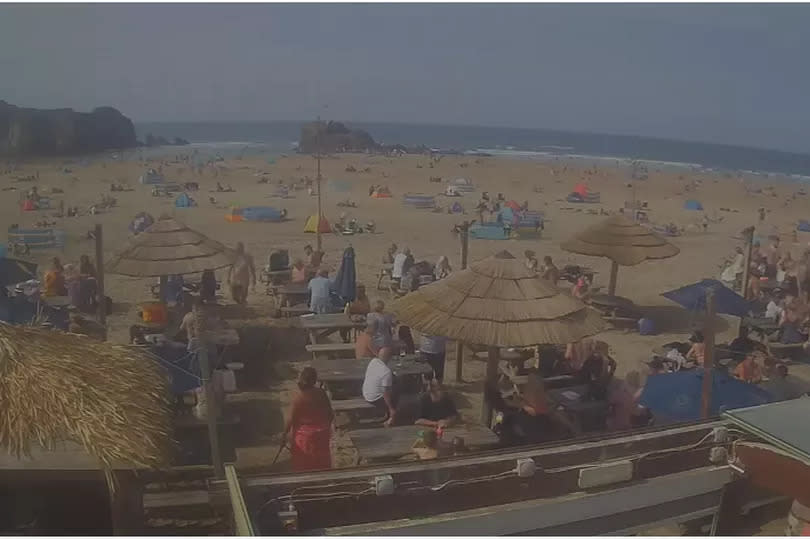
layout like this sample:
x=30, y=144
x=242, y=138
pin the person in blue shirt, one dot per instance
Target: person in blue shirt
x=320, y=289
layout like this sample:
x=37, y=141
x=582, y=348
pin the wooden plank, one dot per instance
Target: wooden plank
x=329, y=321
x=179, y=498
x=330, y=347
x=351, y=405
x=332, y=371
x=537, y=515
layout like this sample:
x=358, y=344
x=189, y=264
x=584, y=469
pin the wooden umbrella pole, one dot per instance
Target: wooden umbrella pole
x=614, y=272
x=708, y=356
x=465, y=246
x=210, y=398
x=493, y=358
x=748, y=234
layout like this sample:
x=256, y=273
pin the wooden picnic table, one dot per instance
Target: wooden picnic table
x=320, y=326
x=332, y=371
x=584, y=414
x=292, y=293
x=395, y=442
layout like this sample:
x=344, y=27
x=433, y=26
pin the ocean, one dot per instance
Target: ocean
x=279, y=137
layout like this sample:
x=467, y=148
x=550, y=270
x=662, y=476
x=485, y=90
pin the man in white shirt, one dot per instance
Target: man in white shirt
x=399, y=264
x=378, y=385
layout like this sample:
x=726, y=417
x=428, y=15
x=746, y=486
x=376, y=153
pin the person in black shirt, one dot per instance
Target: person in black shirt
x=436, y=408
x=744, y=345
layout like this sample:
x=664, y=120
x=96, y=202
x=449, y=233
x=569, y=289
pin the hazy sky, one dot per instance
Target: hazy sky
x=723, y=73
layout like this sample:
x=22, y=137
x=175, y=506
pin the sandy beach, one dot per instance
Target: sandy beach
x=730, y=203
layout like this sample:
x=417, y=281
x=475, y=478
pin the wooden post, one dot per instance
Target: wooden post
x=126, y=503
x=465, y=245
x=708, y=357
x=614, y=272
x=200, y=321
x=318, y=178
x=748, y=234
x=101, y=302
x=493, y=358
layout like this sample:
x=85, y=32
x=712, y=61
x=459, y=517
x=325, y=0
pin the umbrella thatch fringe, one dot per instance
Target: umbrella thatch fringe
x=169, y=247
x=620, y=239
x=498, y=301
x=58, y=387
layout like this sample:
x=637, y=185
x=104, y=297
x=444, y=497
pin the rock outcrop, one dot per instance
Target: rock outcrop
x=334, y=138
x=26, y=132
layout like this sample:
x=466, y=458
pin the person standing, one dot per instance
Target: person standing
x=433, y=349
x=383, y=324
x=378, y=385
x=320, y=289
x=241, y=275
x=309, y=426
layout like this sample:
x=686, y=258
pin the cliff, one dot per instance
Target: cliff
x=28, y=132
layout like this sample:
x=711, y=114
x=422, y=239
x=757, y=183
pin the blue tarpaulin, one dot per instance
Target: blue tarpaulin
x=726, y=301
x=676, y=396
x=693, y=205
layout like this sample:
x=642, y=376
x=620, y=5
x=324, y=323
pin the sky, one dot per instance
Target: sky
x=725, y=73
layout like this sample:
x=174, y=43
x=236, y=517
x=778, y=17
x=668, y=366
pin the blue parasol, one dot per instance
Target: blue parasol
x=676, y=396
x=345, y=284
x=726, y=301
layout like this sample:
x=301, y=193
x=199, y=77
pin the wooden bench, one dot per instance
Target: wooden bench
x=355, y=410
x=294, y=310
x=329, y=350
x=780, y=350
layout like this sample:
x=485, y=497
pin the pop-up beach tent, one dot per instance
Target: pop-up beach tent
x=463, y=184
x=315, y=224
x=151, y=177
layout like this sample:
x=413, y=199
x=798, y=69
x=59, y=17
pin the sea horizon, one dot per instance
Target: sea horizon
x=527, y=143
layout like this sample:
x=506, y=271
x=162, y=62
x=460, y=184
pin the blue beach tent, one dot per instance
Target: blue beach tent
x=693, y=205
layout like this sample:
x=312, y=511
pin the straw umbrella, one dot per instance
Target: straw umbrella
x=623, y=241
x=497, y=302
x=169, y=247
x=111, y=400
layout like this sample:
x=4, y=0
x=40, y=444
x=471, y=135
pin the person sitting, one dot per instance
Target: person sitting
x=582, y=288
x=378, y=385
x=320, y=289
x=549, y=271
x=388, y=257
x=442, y=268
x=436, y=408
x=208, y=286
x=55, y=280
x=622, y=404
x=775, y=307
x=361, y=306
x=743, y=344
x=748, y=370
x=406, y=340
x=698, y=349
x=597, y=371
x=531, y=260
x=657, y=366
x=363, y=348
x=309, y=427
x=783, y=386
x=313, y=258
x=299, y=272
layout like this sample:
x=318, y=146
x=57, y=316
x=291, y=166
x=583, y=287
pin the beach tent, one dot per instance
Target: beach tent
x=456, y=208
x=693, y=205
x=265, y=214
x=151, y=177
x=381, y=192
x=463, y=184
x=804, y=226
x=314, y=224
x=184, y=201
x=418, y=200
x=339, y=186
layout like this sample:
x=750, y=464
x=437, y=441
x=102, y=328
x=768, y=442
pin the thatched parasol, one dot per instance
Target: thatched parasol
x=623, y=241
x=497, y=302
x=169, y=247
x=58, y=387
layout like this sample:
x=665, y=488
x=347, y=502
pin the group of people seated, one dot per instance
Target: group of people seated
x=407, y=274
x=78, y=283
x=547, y=270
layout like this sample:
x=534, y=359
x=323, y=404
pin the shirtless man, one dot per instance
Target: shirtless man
x=241, y=274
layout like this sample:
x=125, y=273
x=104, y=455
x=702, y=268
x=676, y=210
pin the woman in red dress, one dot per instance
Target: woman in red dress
x=309, y=427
